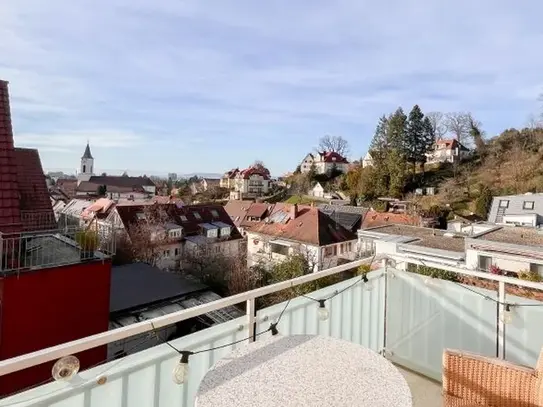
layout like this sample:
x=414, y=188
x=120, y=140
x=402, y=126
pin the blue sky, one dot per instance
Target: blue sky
x=204, y=86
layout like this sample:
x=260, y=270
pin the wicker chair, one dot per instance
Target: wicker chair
x=474, y=380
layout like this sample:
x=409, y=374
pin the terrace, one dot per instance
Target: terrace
x=53, y=247
x=397, y=313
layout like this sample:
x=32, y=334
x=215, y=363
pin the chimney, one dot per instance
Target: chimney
x=10, y=215
x=294, y=211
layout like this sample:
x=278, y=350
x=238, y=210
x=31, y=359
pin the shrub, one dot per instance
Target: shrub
x=433, y=272
x=529, y=275
x=363, y=269
x=495, y=270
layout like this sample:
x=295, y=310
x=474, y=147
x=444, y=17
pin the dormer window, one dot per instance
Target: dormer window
x=214, y=213
x=529, y=205
x=183, y=218
x=197, y=215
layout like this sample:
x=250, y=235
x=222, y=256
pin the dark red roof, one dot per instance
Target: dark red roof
x=257, y=210
x=246, y=173
x=34, y=202
x=10, y=215
x=332, y=157
x=190, y=217
x=67, y=186
x=122, y=181
x=232, y=173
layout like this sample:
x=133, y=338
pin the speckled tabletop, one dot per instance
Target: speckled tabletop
x=303, y=370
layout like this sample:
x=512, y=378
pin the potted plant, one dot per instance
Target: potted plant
x=88, y=242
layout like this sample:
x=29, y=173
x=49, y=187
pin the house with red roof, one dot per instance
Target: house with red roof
x=324, y=162
x=447, y=151
x=252, y=182
x=304, y=230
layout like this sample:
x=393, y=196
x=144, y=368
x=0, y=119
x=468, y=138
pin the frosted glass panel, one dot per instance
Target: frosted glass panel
x=424, y=317
x=524, y=335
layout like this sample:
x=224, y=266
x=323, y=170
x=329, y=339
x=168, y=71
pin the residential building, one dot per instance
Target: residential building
x=367, y=161
x=324, y=162
x=373, y=219
x=50, y=278
x=510, y=249
x=480, y=247
x=205, y=185
x=166, y=233
x=228, y=179
x=316, y=190
x=520, y=210
x=447, y=151
x=252, y=182
x=300, y=230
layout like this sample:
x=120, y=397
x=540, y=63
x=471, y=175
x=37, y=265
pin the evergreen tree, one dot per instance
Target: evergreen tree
x=379, y=143
x=396, y=130
x=429, y=139
x=395, y=165
x=415, y=146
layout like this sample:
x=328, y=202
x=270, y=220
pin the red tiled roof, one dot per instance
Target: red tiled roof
x=257, y=210
x=237, y=210
x=331, y=157
x=34, y=202
x=232, y=173
x=10, y=215
x=375, y=219
x=310, y=226
x=92, y=187
x=67, y=185
x=247, y=172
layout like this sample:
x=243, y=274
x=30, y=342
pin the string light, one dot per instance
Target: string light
x=323, y=312
x=506, y=316
x=368, y=285
x=65, y=368
x=181, y=371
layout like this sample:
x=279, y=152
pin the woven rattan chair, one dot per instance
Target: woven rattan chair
x=474, y=380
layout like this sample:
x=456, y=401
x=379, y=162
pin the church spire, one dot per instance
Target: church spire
x=87, y=153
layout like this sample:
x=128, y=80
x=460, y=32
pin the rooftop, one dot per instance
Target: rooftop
x=373, y=219
x=515, y=235
x=426, y=237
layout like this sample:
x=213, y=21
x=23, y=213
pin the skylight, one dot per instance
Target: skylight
x=197, y=215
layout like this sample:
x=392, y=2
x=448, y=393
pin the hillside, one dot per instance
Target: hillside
x=511, y=163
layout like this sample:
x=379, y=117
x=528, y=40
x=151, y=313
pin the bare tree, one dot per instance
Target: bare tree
x=437, y=119
x=147, y=239
x=458, y=123
x=335, y=144
x=533, y=122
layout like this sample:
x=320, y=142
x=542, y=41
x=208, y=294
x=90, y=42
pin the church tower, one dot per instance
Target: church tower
x=87, y=164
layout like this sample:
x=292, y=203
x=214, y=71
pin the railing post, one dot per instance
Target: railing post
x=384, y=264
x=501, y=323
x=251, y=320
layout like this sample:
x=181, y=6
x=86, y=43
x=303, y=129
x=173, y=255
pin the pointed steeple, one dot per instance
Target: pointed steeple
x=87, y=153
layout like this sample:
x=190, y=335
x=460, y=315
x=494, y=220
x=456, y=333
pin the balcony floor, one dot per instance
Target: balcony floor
x=425, y=392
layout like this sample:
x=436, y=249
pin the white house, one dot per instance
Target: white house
x=367, y=161
x=520, y=210
x=252, y=182
x=324, y=162
x=447, y=151
x=300, y=230
x=317, y=190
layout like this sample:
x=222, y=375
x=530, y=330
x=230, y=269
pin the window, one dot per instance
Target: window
x=214, y=213
x=504, y=203
x=176, y=251
x=166, y=253
x=485, y=262
x=140, y=215
x=279, y=249
x=183, y=218
x=528, y=205
x=537, y=268
x=217, y=249
x=197, y=215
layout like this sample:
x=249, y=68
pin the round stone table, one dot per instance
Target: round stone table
x=303, y=370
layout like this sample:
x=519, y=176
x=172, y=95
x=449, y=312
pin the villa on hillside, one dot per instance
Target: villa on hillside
x=324, y=162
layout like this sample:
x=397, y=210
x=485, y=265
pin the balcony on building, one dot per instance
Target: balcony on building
x=406, y=317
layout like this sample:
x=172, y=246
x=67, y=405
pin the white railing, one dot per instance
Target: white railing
x=55, y=352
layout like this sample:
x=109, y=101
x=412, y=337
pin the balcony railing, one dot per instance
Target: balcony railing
x=407, y=317
x=44, y=248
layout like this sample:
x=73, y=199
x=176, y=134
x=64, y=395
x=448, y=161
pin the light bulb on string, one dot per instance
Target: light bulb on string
x=507, y=315
x=368, y=285
x=323, y=312
x=180, y=373
x=65, y=368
